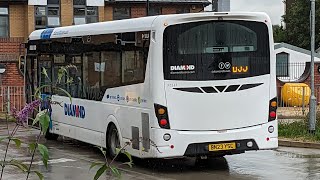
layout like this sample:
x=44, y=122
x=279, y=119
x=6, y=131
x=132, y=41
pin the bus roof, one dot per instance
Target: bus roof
x=132, y=25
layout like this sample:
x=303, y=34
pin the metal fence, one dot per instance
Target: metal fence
x=11, y=97
x=294, y=100
x=291, y=72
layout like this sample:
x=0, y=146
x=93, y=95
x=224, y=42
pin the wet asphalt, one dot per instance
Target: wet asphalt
x=70, y=160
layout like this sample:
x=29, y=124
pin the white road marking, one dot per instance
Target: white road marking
x=52, y=161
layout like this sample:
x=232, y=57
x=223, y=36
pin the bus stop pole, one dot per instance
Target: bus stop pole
x=313, y=100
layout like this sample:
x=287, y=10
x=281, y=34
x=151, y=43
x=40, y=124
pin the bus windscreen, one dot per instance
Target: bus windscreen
x=216, y=50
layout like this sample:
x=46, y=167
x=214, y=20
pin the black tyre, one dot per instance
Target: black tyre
x=113, y=141
x=51, y=136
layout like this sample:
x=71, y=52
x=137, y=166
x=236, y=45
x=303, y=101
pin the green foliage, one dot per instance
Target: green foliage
x=100, y=171
x=297, y=20
x=108, y=167
x=94, y=164
x=18, y=164
x=44, y=71
x=16, y=141
x=40, y=176
x=43, y=150
x=32, y=147
x=44, y=119
x=3, y=138
x=298, y=130
x=279, y=34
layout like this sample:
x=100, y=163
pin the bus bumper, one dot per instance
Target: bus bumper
x=196, y=143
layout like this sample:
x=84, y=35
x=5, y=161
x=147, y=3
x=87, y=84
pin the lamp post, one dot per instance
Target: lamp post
x=313, y=100
x=147, y=7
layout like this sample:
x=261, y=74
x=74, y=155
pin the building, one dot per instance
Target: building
x=293, y=62
x=18, y=18
x=221, y=5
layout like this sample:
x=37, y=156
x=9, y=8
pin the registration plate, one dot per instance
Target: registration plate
x=221, y=147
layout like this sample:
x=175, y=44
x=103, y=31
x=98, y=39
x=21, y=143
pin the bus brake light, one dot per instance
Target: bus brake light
x=273, y=109
x=162, y=116
x=163, y=122
x=273, y=114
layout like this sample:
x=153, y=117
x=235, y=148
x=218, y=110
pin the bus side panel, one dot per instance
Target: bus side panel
x=83, y=120
x=87, y=121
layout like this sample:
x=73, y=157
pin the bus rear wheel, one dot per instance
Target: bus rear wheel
x=113, y=141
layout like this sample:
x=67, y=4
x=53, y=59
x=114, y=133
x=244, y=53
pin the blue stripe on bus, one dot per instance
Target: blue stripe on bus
x=46, y=34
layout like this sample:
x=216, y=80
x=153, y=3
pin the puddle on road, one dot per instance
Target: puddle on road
x=296, y=154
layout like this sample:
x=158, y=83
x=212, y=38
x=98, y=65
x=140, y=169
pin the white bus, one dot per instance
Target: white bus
x=187, y=85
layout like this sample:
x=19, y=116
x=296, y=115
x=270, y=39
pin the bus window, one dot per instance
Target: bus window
x=111, y=72
x=216, y=50
x=95, y=63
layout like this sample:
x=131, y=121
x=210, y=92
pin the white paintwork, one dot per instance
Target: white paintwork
x=95, y=2
x=218, y=111
x=241, y=115
x=37, y=2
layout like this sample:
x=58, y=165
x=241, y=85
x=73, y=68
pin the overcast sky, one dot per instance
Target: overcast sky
x=274, y=8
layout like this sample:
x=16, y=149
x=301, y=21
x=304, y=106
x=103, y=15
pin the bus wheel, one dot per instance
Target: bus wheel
x=113, y=141
x=51, y=136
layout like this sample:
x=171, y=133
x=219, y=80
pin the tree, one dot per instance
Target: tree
x=297, y=20
x=279, y=34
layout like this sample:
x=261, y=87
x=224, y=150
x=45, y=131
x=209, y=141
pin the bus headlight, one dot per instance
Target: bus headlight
x=166, y=137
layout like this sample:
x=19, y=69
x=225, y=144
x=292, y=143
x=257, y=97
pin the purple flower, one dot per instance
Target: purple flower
x=23, y=115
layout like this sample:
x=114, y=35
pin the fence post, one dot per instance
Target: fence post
x=303, y=94
x=8, y=98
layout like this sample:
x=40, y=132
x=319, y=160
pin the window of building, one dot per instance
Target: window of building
x=183, y=10
x=4, y=22
x=155, y=10
x=48, y=16
x=282, y=64
x=121, y=13
x=84, y=14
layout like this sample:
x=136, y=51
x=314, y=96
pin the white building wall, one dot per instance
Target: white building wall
x=296, y=62
x=223, y=5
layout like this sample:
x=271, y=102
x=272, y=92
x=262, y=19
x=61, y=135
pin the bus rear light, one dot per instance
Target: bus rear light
x=161, y=111
x=162, y=116
x=163, y=122
x=273, y=114
x=273, y=105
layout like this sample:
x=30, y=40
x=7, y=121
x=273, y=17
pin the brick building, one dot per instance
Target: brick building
x=18, y=18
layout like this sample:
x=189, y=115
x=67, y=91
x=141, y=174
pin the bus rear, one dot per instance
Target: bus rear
x=219, y=86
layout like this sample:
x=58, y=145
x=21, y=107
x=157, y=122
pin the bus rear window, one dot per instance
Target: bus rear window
x=216, y=50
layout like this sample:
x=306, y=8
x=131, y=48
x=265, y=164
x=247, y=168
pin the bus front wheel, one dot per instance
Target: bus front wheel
x=51, y=136
x=113, y=141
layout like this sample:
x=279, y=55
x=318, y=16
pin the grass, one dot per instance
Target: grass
x=299, y=131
